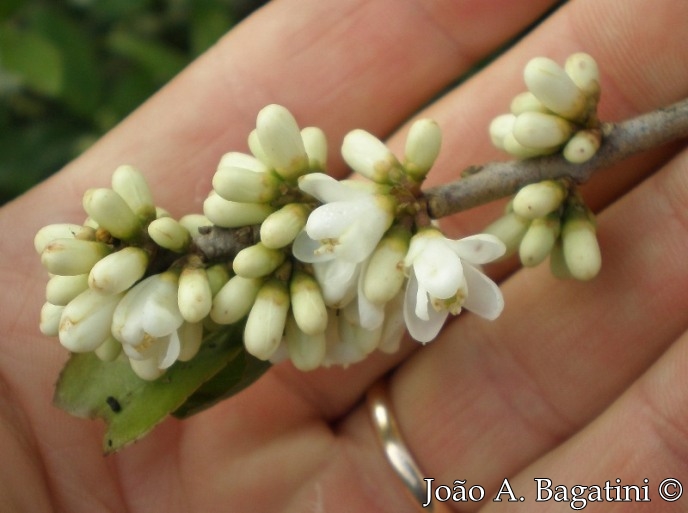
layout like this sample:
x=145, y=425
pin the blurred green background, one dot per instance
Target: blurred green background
x=70, y=70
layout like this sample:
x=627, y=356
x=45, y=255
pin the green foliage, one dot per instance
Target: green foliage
x=71, y=70
x=131, y=407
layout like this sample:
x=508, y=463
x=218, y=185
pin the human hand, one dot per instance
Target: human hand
x=578, y=383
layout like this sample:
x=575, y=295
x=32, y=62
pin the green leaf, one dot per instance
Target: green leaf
x=31, y=151
x=32, y=58
x=83, y=73
x=237, y=375
x=9, y=7
x=209, y=21
x=130, y=406
x=160, y=61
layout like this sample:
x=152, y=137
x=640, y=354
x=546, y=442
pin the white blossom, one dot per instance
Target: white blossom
x=344, y=231
x=146, y=321
x=443, y=279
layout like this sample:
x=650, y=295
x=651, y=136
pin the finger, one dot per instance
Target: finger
x=596, y=28
x=636, y=449
x=338, y=65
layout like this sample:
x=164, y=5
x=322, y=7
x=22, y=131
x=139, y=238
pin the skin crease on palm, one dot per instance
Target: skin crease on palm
x=577, y=382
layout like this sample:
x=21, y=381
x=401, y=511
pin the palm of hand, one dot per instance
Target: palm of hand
x=570, y=381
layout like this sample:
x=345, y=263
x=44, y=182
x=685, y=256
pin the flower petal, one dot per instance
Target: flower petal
x=484, y=296
x=370, y=315
x=438, y=269
x=331, y=220
x=305, y=249
x=337, y=280
x=170, y=348
x=421, y=330
x=327, y=189
x=478, y=249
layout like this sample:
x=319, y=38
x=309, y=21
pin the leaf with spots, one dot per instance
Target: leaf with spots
x=132, y=407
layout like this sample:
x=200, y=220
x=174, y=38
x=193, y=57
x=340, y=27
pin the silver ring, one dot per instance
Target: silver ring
x=396, y=451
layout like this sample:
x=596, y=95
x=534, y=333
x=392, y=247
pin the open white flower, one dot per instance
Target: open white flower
x=343, y=231
x=443, y=279
x=146, y=321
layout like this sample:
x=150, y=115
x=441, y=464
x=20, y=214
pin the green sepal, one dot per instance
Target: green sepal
x=132, y=407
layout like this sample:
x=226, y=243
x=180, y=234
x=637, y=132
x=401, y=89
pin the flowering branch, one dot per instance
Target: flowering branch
x=495, y=180
x=485, y=183
x=286, y=262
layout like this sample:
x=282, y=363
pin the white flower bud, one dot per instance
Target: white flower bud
x=582, y=146
x=515, y=148
x=281, y=228
x=280, y=140
x=69, y=257
x=394, y=326
x=256, y=149
x=51, y=232
x=194, y=295
x=500, y=127
x=581, y=249
x=554, y=88
x=257, y=261
x=190, y=338
x=539, y=199
x=130, y=184
x=244, y=178
x=539, y=240
x=526, y=102
x=422, y=148
x=170, y=234
x=234, y=300
x=230, y=214
x=118, y=271
x=192, y=222
x=62, y=289
x=307, y=304
x=218, y=275
x=352, y=333
x=384, y=275
x=50, y=319
x=510, y=229
x=541, y=131
x=148, y=369
x=161, y=212
x=305, y=351
x=109, y=350
x=337, y=350
x=583, y=70
x=112, y=213
x=266, y=320
x=85, y=322
x=90, y=223
x=315, y=143
x=369, y=156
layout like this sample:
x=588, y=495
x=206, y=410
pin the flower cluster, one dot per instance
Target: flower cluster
x=550, y=219
x=333, y=269
x=103, y=296
x=324, y=284
x=559, y=110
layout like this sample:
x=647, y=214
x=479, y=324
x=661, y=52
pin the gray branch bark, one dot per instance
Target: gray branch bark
x=501, y=179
